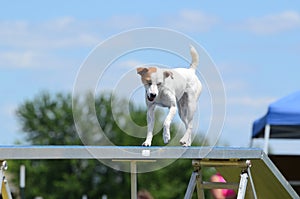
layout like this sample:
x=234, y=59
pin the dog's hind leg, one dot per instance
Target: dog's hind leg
x=182, y=109
x=189, y=108
x=186, y=140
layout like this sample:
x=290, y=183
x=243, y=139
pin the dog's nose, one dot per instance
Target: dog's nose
x=152, y=95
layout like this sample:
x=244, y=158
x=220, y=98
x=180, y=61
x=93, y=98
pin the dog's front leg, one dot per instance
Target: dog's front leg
x=150, y=124
x=167, y=123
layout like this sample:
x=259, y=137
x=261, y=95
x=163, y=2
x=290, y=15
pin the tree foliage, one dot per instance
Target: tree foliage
x=48, y=120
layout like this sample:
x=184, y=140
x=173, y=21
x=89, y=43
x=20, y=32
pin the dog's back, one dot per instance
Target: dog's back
x=191, y=79
x=188, y=77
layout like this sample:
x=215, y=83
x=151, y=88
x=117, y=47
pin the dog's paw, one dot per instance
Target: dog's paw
x=166, y=134
x=166, y=137
x=185, y=142
x=146, y=143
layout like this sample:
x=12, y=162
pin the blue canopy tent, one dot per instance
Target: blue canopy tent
x=283, y=117
x=278, y=133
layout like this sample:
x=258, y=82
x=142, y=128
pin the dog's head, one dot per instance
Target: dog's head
x=153, y=80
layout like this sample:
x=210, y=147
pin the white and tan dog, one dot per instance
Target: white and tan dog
x=177, y=89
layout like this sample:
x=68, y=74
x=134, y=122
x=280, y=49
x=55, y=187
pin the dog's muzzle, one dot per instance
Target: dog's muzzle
x=151, y=97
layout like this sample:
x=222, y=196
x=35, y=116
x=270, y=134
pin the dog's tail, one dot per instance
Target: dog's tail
x=195, y=58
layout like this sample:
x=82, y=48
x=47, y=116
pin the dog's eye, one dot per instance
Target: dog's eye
x=149, y=83
x=159, y=83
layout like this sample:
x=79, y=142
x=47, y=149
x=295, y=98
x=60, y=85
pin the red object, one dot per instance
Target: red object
x=225, y=192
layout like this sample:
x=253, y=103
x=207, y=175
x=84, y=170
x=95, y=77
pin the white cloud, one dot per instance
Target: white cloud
x=130, y=63
x=63, y=23
x=8, y=110
x=18, y=59
x=32, y=59
x=119, y=22
x=35, y=44
x=191, y=21
x=242, y=111
x=274, y=23
x=251, y=101
x=59, y=33
x=29, y=44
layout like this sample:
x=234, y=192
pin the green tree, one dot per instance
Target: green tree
x=48, y=120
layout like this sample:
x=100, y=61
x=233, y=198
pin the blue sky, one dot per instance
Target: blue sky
x=255, y=46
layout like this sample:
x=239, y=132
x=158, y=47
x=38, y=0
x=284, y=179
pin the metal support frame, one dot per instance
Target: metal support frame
x=191, y=185
x=202, y=156
x=133, y=175
x=4, y=187
x=245, y=175
x=253, y=190
x=2, y=168
x=197, y=181
x=243, y=185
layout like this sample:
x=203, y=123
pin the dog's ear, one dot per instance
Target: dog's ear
x=168, y=74
x=141, y=71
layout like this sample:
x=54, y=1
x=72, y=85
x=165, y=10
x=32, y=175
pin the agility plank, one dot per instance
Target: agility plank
x=135, y=153
x=267, y=180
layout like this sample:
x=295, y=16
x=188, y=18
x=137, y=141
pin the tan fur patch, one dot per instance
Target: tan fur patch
x=146, y=74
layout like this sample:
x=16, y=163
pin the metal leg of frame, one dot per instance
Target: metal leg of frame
x=252, y=184
x=191, y=186
x=1, y=177
x=200, y=189
x=3, y=167
x=245, y=175
x=195, y=180
x=4, y=188
x=243, y=186
x=6, y=194
x=133, y=176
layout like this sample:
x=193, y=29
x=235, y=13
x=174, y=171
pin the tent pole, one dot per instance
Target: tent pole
x=267, y=138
